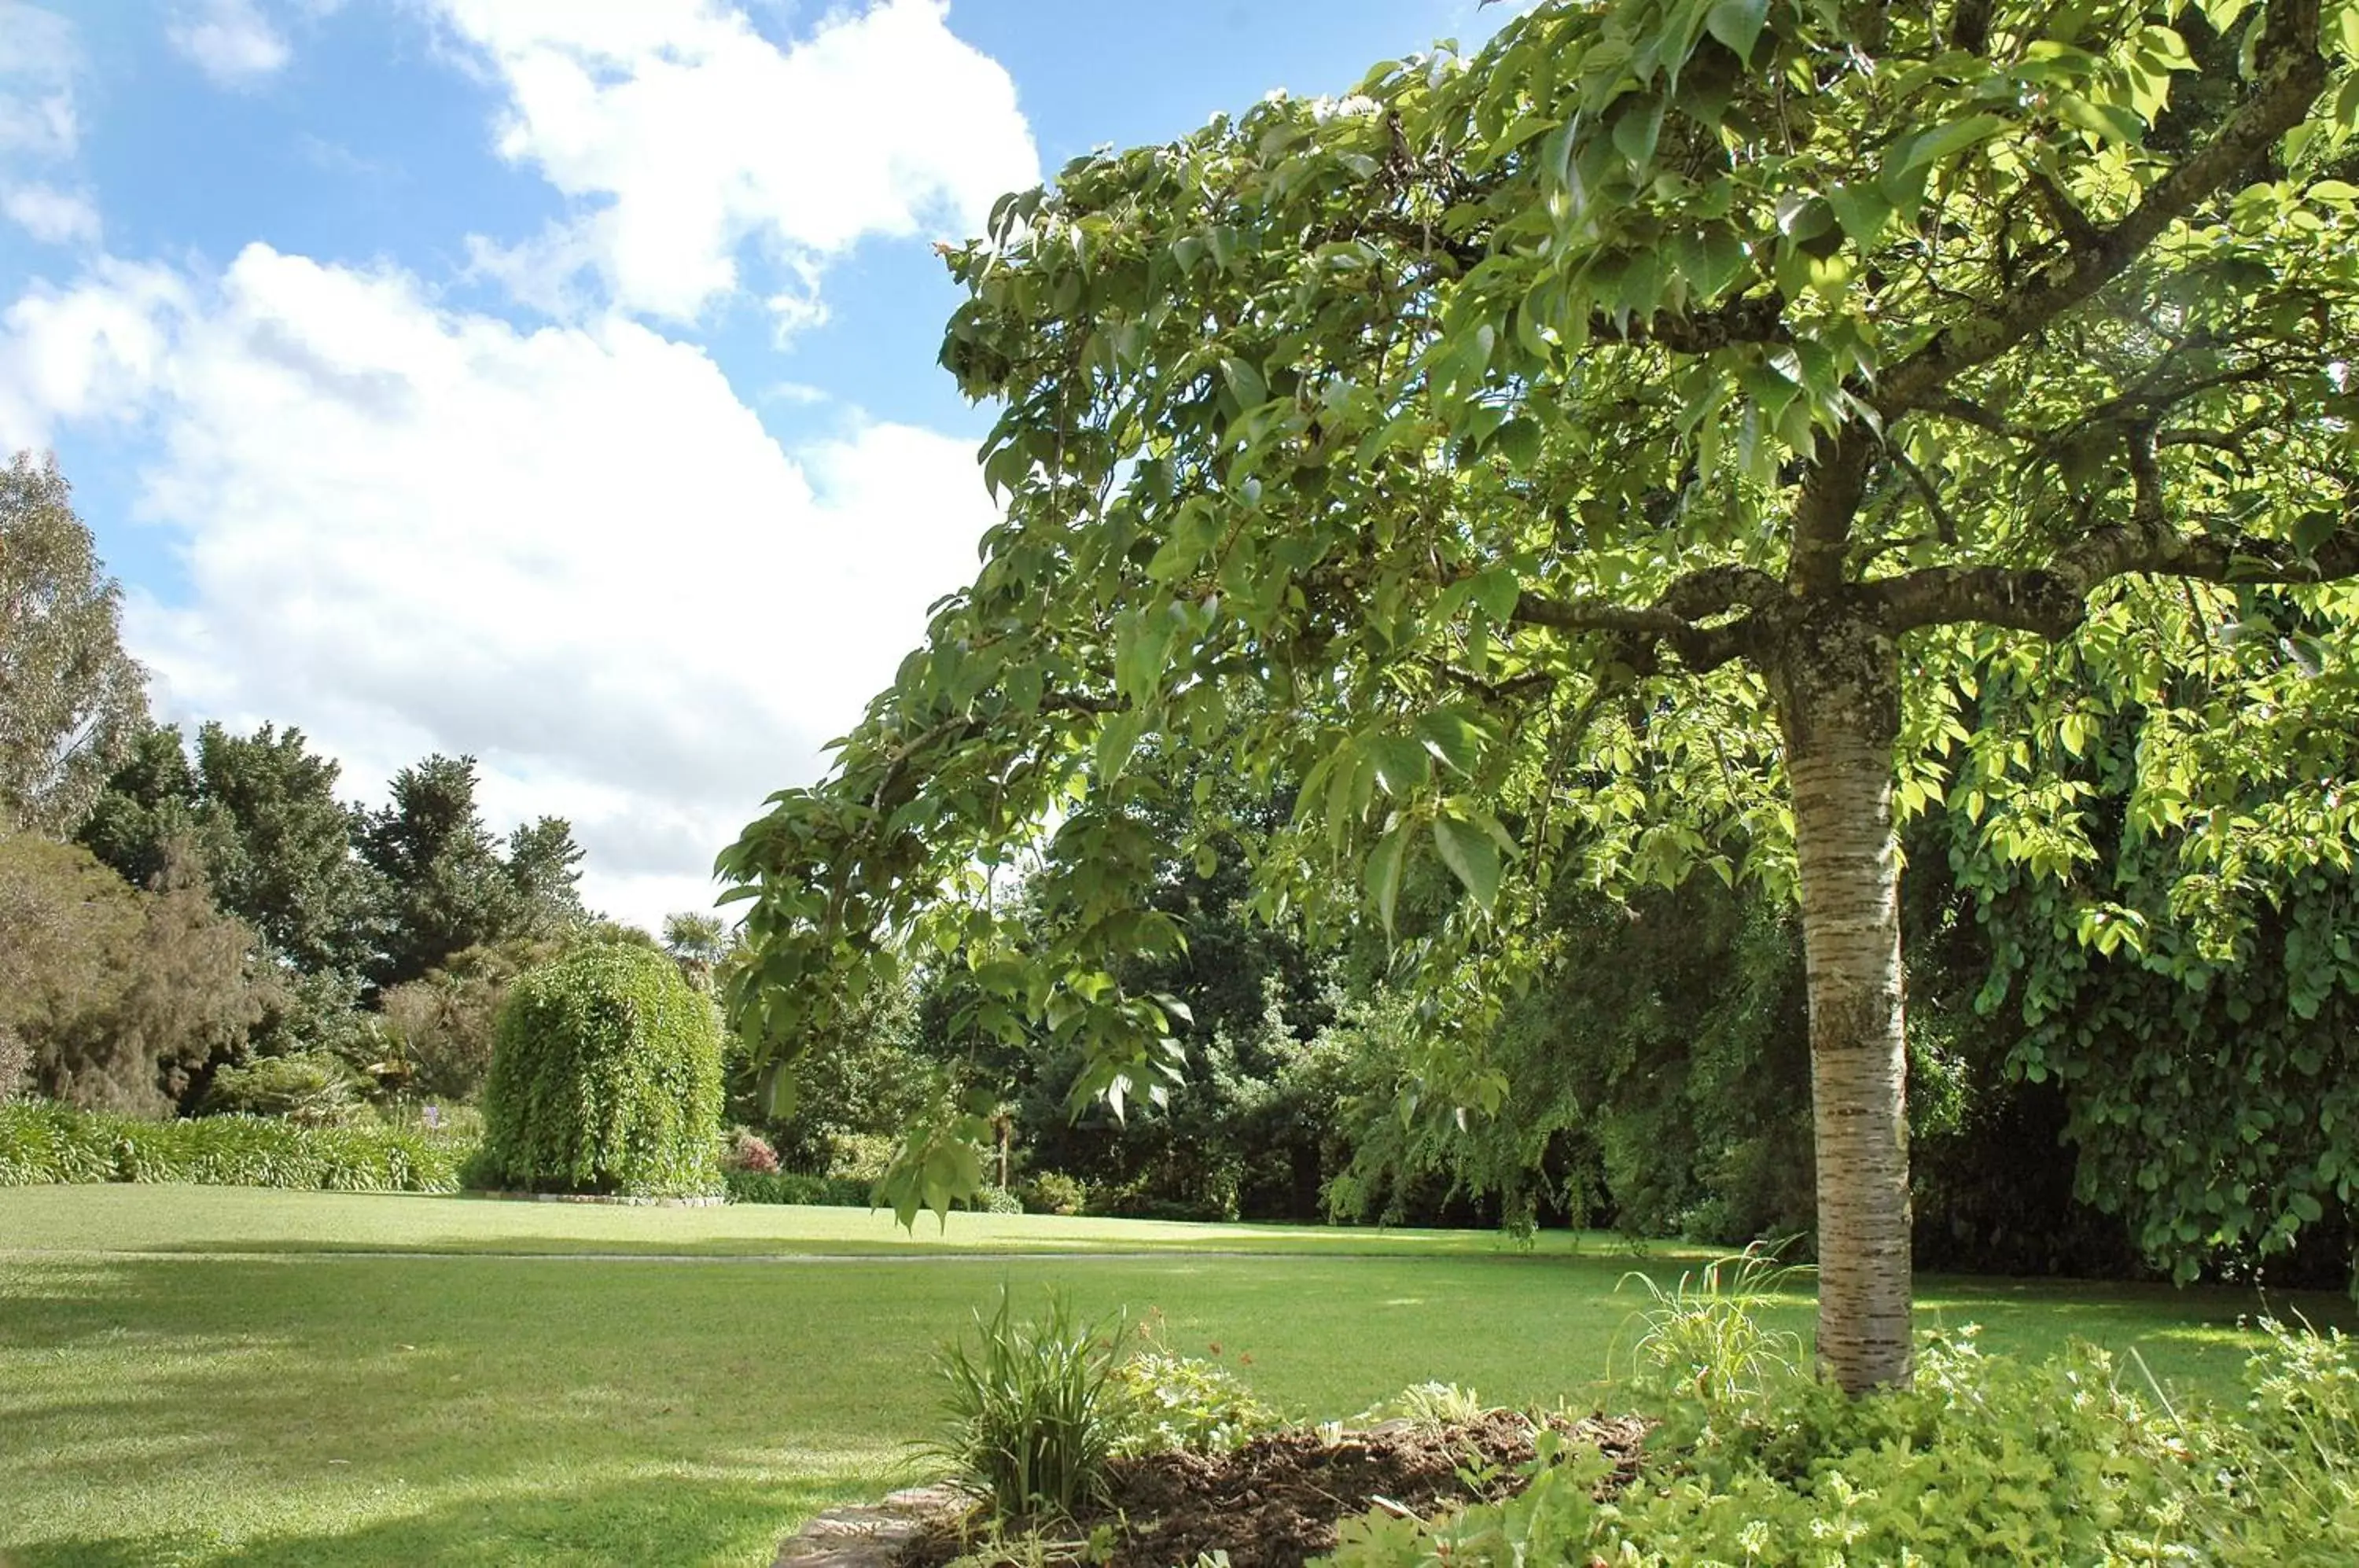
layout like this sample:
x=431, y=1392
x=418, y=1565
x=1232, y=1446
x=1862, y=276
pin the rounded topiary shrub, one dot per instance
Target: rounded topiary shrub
x=605, y=1079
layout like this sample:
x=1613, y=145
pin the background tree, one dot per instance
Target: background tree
x=71, y=699
x=1577, y=460
x=447, y=886
x=698, y=943
x=262, y=813
x=125, y=998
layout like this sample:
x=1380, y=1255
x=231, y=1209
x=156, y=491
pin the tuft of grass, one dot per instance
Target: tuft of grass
x=1031, y=1414
x=1711, y=1333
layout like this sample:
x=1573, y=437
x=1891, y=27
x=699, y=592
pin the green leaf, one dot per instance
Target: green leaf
x=1471, y=857
x=1637, y=128
x=1737, y=24
x=2110, y=121
x=1383, y=873
x=1861, y=209
x=1929, y=147
x=1402, y=765
x=2313, y=529
x=1497, y=589
x=1452, y=737
x=1518, y=440
x=1118, y=737
x=1245, y=383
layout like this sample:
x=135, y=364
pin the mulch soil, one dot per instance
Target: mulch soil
x=1278, y=1500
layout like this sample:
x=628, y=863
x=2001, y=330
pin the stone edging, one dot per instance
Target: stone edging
x=868, y=1535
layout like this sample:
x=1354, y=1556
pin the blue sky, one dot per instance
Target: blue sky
x=552, y=380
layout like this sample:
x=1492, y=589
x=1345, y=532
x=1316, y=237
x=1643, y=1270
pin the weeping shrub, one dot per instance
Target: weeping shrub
x=605, y=1079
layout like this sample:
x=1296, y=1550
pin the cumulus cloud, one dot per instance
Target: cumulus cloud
x=231, y=41
x=50, y=215
x=693, y=148
x=572, y=552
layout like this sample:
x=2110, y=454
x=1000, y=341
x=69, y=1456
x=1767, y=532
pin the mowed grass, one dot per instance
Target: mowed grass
x=197, y=1375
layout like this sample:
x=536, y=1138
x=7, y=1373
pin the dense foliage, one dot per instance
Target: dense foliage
x=606, y=1078
x=120, y=996
x=43, y=1143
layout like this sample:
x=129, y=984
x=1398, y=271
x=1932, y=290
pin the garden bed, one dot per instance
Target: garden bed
x=1279, y=1499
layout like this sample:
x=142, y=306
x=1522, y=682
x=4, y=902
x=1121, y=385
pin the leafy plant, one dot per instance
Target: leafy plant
x=749, y=1153
x=1567, y=461
x=1984, y=1460
x=1031, y=1413
x=793, y=1187
x=308, y=1089
x=1173, y=1401
x=43, y=1143
x=1429, y=1405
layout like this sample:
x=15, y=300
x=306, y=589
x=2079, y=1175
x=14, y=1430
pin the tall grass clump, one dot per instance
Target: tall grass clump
x=1031, y=1413
x=1705, y=1333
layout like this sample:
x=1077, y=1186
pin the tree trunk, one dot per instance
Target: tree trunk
x=1838, y=701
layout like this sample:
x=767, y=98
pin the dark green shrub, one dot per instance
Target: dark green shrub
x=606, y=1078
x=44, y=1144
x=996, y=1200
x=311, y=1089
x=1052, y=1193
x=793, y=1187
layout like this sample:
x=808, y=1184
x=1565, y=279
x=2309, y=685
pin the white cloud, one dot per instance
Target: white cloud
x=572, y=551
x=231, y=41
x=50, y=215
x=688, y=140
x=39, y=61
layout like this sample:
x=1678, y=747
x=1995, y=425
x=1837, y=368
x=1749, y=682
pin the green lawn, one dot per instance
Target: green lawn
x=204, y=1376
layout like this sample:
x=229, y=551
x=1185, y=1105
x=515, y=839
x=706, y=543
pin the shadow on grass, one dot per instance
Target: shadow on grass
x=334, y=1413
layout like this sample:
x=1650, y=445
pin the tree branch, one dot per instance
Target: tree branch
x=1671, y=620
x=2292, y=73
x=1823, y=512
x=2052, y=600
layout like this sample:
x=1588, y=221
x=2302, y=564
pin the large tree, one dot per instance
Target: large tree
x=262, y=813
x=1605, y=455
x=70, y=700
x=447, y=886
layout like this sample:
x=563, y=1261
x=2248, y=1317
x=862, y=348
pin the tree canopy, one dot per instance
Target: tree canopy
x=70, y=700
x=1611, y=455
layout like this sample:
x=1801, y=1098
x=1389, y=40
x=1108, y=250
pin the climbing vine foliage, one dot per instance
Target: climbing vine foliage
x=1469, y=453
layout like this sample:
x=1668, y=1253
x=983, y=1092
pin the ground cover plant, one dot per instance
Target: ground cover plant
x=194, y=1376
x=1985, y=1459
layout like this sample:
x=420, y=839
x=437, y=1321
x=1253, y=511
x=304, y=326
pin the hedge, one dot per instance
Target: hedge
x=790, y=1187
x=605, y=1079
x=44, y=1144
